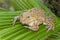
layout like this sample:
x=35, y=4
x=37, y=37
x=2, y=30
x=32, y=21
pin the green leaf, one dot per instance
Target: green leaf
x=3, y=9
x=17, y=31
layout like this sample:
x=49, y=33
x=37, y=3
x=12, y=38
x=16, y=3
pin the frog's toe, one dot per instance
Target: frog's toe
x=53, y=28
x=49, y=28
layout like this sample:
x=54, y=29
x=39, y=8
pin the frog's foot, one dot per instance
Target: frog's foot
x=15, y=19
x=49, y=28
x=32, y=28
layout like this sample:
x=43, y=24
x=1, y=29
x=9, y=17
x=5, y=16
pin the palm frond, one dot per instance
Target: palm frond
x=18, y=32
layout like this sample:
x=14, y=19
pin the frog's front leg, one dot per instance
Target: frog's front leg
x=15, y=19
x=34, y=28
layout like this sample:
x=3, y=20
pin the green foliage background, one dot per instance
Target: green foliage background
x=17, y=31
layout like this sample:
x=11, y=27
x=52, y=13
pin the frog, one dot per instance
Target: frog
x=35, y=17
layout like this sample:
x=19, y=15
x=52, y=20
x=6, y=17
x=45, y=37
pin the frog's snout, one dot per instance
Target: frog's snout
x=23, y=22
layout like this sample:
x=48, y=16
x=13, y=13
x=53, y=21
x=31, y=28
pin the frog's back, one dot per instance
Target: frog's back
x=38, y=13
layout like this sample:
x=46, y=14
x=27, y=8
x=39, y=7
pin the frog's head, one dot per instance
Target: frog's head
x=26, y=18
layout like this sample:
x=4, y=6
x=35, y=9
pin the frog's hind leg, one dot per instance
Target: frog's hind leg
x=15, y=19
x=53, y=28
x=50, y=28
x=34, y=28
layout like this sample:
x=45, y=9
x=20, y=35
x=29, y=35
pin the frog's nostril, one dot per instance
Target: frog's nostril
x=23, y=22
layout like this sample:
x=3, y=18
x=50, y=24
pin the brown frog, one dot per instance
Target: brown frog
x=35, y=17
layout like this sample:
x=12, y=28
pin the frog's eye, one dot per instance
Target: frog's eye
x=28, y=17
